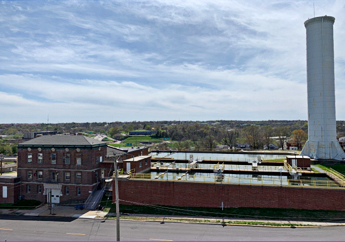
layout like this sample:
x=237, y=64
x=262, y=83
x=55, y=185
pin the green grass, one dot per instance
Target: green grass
x=22, y=204
x=339, y=168
x=107, y=139
x=276, y=160
x=141, y=138
x=202, y=220
x=241, y=213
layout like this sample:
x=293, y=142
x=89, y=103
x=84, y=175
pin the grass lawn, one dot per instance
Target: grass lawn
x=339, y=167
x=141, y=138
x=276, y=160
x=240, y=213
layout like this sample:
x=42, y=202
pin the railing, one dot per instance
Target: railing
x=335, y=175
x=88, y=200
x=238, y=181
x=338, y=174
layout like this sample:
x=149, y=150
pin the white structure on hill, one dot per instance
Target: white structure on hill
x=322, y=142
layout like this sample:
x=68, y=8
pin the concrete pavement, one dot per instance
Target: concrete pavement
x=70, y=211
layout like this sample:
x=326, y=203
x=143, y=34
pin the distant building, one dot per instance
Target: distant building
x=222, y=147
x=271, y=147
x=32, y=135
x=142, y=132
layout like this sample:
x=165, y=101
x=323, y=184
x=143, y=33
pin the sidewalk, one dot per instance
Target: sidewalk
x=70, y=211
x=57, y=211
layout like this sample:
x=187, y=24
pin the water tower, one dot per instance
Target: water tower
x=322, y=142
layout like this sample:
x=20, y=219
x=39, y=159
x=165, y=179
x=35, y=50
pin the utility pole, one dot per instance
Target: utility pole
x=117, y=203
x=50, y=201
x=1, y=158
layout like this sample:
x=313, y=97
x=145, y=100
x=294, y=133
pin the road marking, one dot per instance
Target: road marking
x=75, y=234
x=6, y=229
x=162, y=239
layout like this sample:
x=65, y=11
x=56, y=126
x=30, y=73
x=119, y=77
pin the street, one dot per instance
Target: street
x=66, y=229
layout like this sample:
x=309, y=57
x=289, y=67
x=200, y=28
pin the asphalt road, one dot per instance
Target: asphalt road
x=38, y=229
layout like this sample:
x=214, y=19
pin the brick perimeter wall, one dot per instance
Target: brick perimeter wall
x=212, y=195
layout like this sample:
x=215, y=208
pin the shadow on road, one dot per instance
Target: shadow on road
x=36, y=218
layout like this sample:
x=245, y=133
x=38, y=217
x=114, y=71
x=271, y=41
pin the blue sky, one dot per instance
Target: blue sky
x=90, y=61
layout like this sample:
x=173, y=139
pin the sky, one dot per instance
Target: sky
x=106, y=61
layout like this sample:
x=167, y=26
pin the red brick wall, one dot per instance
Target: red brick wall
x=136, y=165
x=212, y=195
x=36, y=195
x=13, y=190
x=88, y=156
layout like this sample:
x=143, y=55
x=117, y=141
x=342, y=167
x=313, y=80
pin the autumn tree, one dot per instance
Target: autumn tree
x=253, y=136
x=299, y=137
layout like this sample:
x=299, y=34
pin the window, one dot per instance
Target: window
x=67, y=175
x=29, y=157
x=78, y=175
x=146, y=162
x=67, y=158
x=54, y=176
x=97, y=159
x=78, y=160
x=53, y=158
x=39, y=158
x=39, y=189
x=4, y=191
x=28, y=188
x=67, y=190
x=78, y=191
x=101, y=159
x=140, y=164
x=29, y=175
x=40, y=175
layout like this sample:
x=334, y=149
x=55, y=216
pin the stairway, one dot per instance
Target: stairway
x=94, y=199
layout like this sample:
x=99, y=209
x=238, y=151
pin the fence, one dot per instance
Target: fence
x=214, y=179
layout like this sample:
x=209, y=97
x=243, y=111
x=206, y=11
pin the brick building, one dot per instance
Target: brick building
x=61, y=167
x=9, y=189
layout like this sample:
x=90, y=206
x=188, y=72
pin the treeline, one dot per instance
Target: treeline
x=198, y=134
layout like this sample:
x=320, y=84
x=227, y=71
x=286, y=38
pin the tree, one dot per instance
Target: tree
x=230, y=138
x=253, y=136
x=267, y=134
x=299, y=137
x=282, y=133
x=113, y=131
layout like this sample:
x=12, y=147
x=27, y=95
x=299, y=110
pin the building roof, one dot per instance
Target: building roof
x=131, y=149
x=62, y=141
x=138, y=158
x=113, y=151
x=297, y=157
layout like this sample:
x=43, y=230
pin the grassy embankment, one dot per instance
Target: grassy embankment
x=338, y=167
x=234, y=213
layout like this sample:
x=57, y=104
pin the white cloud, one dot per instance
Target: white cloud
x=160, y=59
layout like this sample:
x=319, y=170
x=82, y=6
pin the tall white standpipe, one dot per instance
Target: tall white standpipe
x=322, y=142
